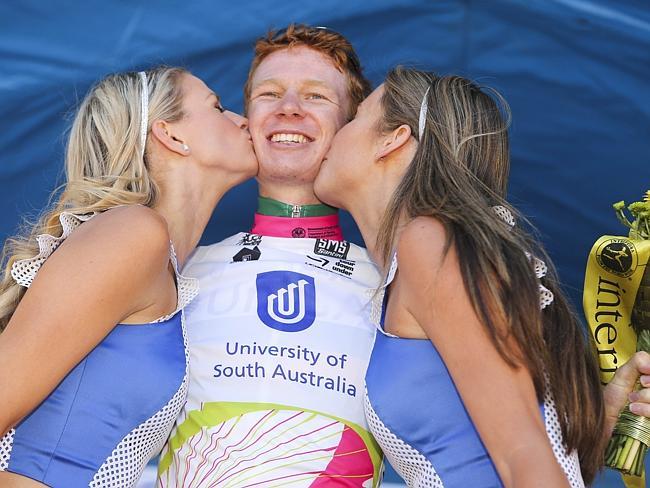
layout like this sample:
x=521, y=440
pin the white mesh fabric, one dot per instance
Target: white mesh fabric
x=25, y=270
x=6, y=444
x=391, y=271
x=187, y=288
x=124, y=466
x=412, y=466
x=540, y=266
x=545, y=295
x=569, y=461
x=504, y=214
x=377, y=298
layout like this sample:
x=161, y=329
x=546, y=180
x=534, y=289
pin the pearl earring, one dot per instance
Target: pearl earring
x=186, y=147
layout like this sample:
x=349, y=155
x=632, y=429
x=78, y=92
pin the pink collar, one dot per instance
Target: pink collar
x=325, y=227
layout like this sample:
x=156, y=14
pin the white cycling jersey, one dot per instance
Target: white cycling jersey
x=279, y=344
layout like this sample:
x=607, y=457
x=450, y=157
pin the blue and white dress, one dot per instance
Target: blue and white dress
x=418, y=417
x=113, y=412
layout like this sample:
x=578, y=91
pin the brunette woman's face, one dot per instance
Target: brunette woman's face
x=352, y=154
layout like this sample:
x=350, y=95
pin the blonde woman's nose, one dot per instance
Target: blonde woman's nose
x=238, y=120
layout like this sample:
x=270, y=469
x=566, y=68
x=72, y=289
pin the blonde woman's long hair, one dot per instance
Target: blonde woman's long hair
x=458, y=173
x=105, y=163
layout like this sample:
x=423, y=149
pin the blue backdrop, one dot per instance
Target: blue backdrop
x=575, y=73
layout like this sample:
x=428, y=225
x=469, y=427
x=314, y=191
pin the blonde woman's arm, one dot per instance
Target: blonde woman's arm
x=104, y=272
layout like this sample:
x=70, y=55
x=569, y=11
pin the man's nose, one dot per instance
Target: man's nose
x=290, y=104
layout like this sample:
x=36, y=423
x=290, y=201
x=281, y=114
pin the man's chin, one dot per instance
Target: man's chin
x=291, y=176
x=293, y=168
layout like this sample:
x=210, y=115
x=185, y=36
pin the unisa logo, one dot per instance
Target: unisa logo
x=286, y=300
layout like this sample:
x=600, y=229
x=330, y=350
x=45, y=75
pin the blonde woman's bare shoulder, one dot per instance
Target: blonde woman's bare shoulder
x=137, y=219
x=131, y=239
x=121, y=255
x=135, y=228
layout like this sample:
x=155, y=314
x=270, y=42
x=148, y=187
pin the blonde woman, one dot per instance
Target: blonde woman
x=480, y=374
x=92, y=358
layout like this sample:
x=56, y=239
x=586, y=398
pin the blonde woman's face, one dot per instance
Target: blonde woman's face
x=216, y=137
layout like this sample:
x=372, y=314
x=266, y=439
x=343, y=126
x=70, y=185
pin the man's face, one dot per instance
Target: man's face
x=298, y=102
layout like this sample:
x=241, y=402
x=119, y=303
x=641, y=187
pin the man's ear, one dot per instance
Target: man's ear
x=164, y=133
x=394, y=141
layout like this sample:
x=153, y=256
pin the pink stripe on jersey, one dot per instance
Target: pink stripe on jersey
x=326, y=227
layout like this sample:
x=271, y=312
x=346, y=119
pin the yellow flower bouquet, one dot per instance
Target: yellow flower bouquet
x=617, y=307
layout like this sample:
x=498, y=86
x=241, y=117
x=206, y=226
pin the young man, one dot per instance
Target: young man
x=278, y=337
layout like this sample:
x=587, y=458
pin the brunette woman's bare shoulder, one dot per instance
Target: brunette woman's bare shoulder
x=422, y=245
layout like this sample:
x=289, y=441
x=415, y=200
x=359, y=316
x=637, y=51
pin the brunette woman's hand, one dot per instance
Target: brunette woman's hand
x=620, y=390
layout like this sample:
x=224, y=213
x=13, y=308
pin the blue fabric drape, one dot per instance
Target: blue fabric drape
x=575, y=73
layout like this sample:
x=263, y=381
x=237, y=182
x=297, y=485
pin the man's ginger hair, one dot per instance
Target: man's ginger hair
x=328, y=42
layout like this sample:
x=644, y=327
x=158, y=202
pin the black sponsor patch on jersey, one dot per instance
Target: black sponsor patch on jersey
x=250, y=240
x=341, y=267
x=333, y=249
x=247, y=254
